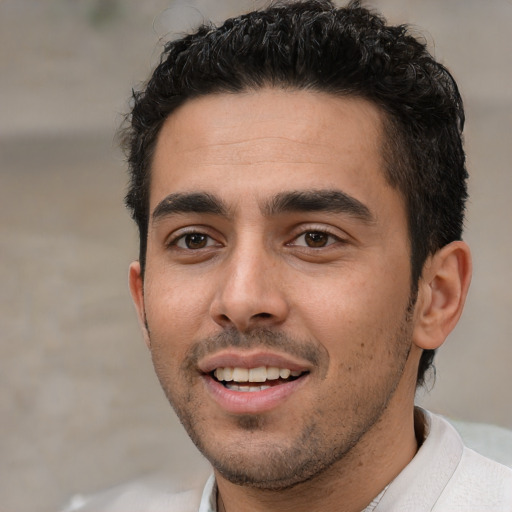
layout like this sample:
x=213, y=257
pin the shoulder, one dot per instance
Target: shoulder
x=155, y=493
x=478, y=484
x=447, y=476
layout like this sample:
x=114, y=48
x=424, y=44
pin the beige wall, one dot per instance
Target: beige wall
x=80, y=408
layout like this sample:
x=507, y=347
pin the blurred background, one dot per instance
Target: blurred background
x=80, y=407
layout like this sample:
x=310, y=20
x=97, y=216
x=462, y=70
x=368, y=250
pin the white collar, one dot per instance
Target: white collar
x=420, y=483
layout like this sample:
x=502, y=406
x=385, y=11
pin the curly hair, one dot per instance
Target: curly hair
x=350, y=51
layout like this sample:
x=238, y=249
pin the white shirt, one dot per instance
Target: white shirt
x=444, y=476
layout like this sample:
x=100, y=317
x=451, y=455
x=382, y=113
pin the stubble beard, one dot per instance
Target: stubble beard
x=279, y=467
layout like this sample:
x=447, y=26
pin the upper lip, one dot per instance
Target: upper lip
x=251, y=359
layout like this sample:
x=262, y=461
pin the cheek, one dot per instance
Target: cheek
x=175, y=313
x=353, y=313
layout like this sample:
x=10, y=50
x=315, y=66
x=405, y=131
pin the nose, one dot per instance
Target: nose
x=250, y=292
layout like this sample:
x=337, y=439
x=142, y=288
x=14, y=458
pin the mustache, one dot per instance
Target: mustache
x=256, y=338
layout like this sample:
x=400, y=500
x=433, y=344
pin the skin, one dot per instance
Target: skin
x=328, y=291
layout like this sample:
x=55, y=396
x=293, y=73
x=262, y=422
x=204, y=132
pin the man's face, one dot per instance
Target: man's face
x=278, y=253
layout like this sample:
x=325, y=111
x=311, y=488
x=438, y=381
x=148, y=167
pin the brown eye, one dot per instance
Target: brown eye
x=194, y=241
x=316, y=239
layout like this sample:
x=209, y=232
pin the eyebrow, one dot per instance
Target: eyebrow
x=330, y=201
x=194, y=202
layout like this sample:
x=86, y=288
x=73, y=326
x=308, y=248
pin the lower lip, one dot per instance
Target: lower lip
x=251, y=402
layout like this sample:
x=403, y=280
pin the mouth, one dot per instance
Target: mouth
x=253, y=380
x=253, y=388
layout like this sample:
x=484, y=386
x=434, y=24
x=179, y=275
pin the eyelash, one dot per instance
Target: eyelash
x=331, y=239
x=175, y=240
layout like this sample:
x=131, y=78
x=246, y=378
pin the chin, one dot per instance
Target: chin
x=246, y=455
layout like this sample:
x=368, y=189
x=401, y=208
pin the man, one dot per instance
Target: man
x=298, y=180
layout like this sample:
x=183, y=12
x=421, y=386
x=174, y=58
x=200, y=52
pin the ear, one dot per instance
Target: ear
x=442, y=293
x=137, y=291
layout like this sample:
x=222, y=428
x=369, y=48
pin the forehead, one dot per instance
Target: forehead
x=267, y=141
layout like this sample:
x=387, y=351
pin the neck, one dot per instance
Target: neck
x=351, y=483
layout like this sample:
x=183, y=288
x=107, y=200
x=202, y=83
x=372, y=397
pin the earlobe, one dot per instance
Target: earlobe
x=442, y=293
x=137, y=291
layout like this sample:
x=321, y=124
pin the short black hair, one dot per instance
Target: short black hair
x=350, y=51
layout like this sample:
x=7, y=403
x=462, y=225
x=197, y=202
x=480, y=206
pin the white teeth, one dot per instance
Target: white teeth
x=284, y=373
x=246, y=389
x=241, y=374
x=260, y=374
x=272, y=373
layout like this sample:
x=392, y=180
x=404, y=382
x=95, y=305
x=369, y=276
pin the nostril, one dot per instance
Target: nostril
x=262, y=315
